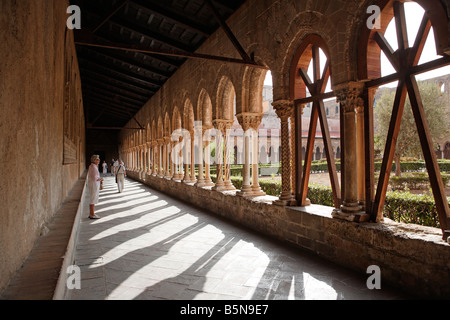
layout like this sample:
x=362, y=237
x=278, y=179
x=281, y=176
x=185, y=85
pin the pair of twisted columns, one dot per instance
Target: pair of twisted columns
x=223, y=182
x=177, y=161
x=204, y=180
x=250, y=123
x=168, y=165
x=189, y=166
x=284, y=110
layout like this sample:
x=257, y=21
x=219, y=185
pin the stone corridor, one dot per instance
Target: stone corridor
x=150, y=246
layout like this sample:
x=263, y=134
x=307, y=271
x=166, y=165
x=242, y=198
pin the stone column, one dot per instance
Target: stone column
x=177, y=159
x=180, y=161
x=250, y=123
x=160, y=157
x=141, y=158
x=198, y=136
x=206, y=137
x=166, y=157
x=193, y=178
x=284, y=110
x=349, y=95
x=187, y=159
x=256, y=189
x=220, y=126
x=245, y=121
x=149, y=157
x=152, y=160
x=163, y=158
x=293, y=163
x=360, y=155
x=226, y=160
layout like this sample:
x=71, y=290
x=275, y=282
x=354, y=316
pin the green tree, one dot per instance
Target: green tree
x=408, y=143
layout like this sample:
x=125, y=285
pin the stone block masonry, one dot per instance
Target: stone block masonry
x=412, y=258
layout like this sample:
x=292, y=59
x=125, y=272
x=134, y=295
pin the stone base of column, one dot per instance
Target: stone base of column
x=350, y=213
x=229, y=186
x=257, y=192
x=177, y=177
x=219, y=188
x=286, y=199
x=200, y=183
x=285, y=203
x=246, y=191
x=209, y=183
x=187, y=180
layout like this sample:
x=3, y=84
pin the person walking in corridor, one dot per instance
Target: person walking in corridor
x=94, y=181
x=121, y=174
x=105, y=168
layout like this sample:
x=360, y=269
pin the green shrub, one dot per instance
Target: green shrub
x=414, y=181
x=270, y=187
x=319, y=194
x=411, y=208
x=444, y=165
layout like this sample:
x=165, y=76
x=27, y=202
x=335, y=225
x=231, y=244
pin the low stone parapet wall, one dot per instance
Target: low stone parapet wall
x=412, y=258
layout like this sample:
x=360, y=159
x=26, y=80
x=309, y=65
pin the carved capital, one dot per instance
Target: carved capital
x=284, y=109
x=249, y=120
x=350, y=96
x=222, y=125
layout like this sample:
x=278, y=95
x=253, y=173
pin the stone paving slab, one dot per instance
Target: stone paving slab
x=148, y=246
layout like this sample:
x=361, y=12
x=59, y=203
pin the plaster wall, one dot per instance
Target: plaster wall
x=32, y=71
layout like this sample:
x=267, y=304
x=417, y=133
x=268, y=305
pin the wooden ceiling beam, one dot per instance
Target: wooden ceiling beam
x=228, y=32
x=138, y=48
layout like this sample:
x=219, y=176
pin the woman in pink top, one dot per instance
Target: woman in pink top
x=94, y=180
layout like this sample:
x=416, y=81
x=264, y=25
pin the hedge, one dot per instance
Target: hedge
x=414, y=180
x=411, y=208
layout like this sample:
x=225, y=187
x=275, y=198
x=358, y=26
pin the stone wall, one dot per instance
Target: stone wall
x=411, y=257
x=36, y=55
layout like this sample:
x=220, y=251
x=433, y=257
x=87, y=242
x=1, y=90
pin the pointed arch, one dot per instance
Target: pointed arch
x=225, y=98
x=307, y=56
x=176, y=119
x=167, y=125
x=188, y=115
x=252, y=87
x=205, y=105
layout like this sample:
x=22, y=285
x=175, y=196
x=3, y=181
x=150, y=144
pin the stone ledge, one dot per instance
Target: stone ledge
x=42, y=275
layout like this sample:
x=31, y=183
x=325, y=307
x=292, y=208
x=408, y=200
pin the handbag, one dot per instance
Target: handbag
x=101, y=185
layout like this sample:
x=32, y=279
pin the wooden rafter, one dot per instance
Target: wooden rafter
x=174, y=53
x=228, y=32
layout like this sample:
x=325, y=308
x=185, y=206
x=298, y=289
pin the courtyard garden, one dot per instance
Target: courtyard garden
x=409, y=198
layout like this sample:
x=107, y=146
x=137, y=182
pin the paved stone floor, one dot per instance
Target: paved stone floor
x=150, y=246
